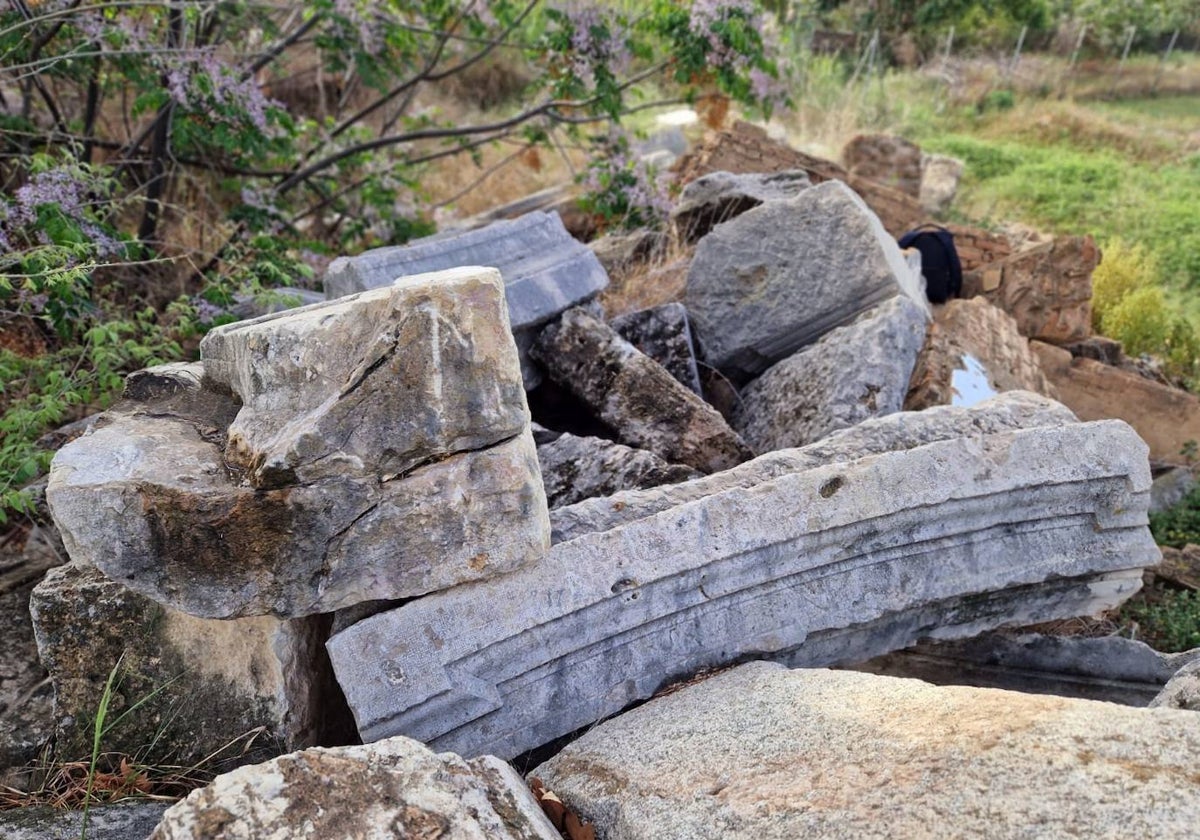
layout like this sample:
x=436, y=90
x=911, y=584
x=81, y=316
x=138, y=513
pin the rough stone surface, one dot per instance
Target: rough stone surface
x=1183, y=691
x=636, y=396
x=762, y=752
x=939, y=182
x=26, y=696
x=780, y=276
x=1098, y=347
x=393, y=789
x=374, y=384
x=204, y=682
x=977, y=247
x=972, y=351
x=720, y=196
x=545, y=269
x=1170, y=488
x=577, y=468
x=1166, y=418
x=162, y=381
x=1047, y=288
x=885, y=158
x=664, y=334
x=1181, y=566
x=850, y=551
x=1108, y=668
x=893, y=433
x=131, y=819
x=148, y=500
x=851, y=374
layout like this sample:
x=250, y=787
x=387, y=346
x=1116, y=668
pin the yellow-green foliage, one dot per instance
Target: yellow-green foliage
x=1130, y=306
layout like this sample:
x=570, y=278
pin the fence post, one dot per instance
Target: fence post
x=1012, y=65
x=1131, y=31
x=1162, y=64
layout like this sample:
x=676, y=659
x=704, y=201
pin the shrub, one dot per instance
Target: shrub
x=1123, y=270
x=1178, y=525
x=1172, y=624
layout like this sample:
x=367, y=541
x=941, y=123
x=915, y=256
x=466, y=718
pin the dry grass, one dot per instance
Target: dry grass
x=644, y=283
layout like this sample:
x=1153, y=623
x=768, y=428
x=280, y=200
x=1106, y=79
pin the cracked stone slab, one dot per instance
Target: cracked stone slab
x=851, y=374
x=393, y=789
x=545, y=269
x=763, y=753
x=149, y=501
x=374, y=384
x=605, y=619
x=894, y=432
x=635, y=396
x=780, y=276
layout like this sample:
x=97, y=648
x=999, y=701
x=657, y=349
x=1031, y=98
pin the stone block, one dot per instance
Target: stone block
x=780, y=276
x=1047, y=288
x=948, y=539
x=849, y=375
x=149, y=501
x=129, y=819
x=372, y=384
x=885, y=159
x=394, y=789
x=1167, y=418
x=766, y=753
x=1183, y=691
x=720, y=196
x=545, y=270
x=577, y=468
x=664, y=334
x=636, y=396
x=973, y=351
x=201, y=683
x=890, y=433
x=939, y=182
x=1181, y=566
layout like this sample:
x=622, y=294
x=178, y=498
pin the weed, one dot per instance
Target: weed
x=1171, y=623
x=1179, y=525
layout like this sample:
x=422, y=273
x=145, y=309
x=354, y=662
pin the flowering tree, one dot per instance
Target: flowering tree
x=126, y=123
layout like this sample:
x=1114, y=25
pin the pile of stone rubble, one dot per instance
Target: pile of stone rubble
x=343, y=522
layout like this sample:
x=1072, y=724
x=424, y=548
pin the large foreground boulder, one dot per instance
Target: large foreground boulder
x=836, y=563
x=635, y=396
x=780, y=276
x=394, y=789
x=851, y=374
x=545, y=269
x=761, y=752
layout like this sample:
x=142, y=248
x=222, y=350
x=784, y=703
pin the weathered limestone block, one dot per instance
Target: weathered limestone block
x=1170, y=488
x=939, y=182
x=545, y=269
x=1167, y=418
x=636, y=396
x=128, y=819
x=885, y=158
x=780, y=276
x=372, y=384
x=720, y=196
x=1047, y=288
x=948, y=539
x=148, y=500
x=162, y=381
x=765, y=753
x=891, y=433
x=1181, y=566
x=664, y=334
x=203, y=682
x=1183, y=691
x=973, y=351
x=394, y=789
x=577, y=468
x=1108, y=668
x=849, y=375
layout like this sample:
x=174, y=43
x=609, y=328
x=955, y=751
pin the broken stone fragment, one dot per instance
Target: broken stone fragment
x=1183, y=691
x=148, y=499
x=894, y=432
x=545, y=269
x=846, y=560
x=393, y=789
x=635, y=396
x=720, y=196
x=576, y=468
x=198, y=684
x=663, y=334
x=780, y=276
x=373, y=384
x=771, y=754
x=973, y=351
x=851, y=374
